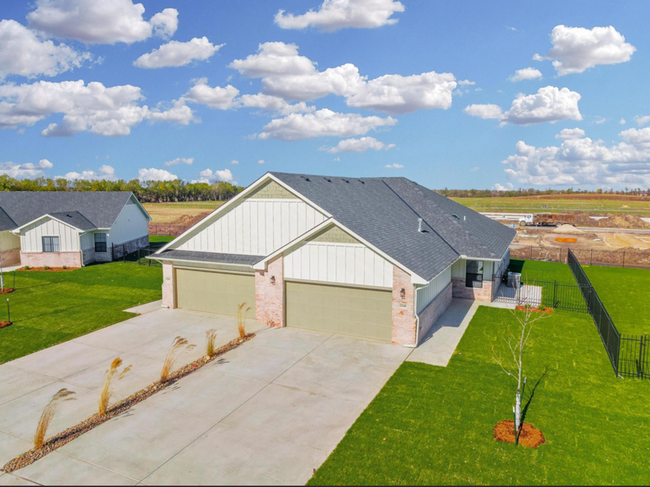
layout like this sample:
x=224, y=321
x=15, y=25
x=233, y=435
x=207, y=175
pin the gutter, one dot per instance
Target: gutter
x=417, y=320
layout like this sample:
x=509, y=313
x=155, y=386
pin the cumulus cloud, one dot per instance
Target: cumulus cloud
x=93, y=107
x=27, y=170
x=101, y=22
x=180, y=160
x=104, y=173
x=322, y=123
x=394, y=166
x=24, y=53
x=549, y=104
x=501, y=187
x=570, y=134
x=174, y=54
x=234, y=162
x=359, y=145
x=292, y=77
x=525, y=74
x=269, y=102
x=210, y=176
x=576, y=49
x=333, y=15
x=217, y=98
x=583, y=161
x=641, y=121
x=153, y=174
x=261, y=161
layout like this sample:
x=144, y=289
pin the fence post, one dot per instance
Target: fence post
x=554, y=293
x=591, y=259
x=639, y=367
x=624, y=258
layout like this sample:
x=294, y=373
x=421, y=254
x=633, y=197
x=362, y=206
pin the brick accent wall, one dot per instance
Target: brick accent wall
x=10, y=257
x=476, y=293
x=432, y=312
x=51, y=259
x=403, y=310
x=168, y=286
x=269, y=297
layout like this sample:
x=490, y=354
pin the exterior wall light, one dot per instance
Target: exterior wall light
x=273, y=280
x=402, y=293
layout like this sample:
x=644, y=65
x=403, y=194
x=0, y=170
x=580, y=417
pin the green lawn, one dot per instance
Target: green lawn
x=53, y=307
x=542, y=271
x=160, y=238
x=433, y=425
x=625, y=293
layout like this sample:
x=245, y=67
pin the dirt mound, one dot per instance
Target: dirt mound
x=623, y=221
x=529, y=436
x=567, y=229
x=190, y=220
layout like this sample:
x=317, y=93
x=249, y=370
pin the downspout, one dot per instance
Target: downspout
x=417, y=320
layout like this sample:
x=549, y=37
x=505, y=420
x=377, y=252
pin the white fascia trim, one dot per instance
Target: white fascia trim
x=226, y=206
x=481, y=258
x=171, y=259
x=47, y=215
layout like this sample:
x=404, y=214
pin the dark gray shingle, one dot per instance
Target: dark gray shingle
x=208, y=257
x=75, y=219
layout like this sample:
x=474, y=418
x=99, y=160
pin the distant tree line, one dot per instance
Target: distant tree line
x=146, y=192
x=488, y=193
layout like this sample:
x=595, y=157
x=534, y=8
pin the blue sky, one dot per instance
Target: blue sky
x=420, y=126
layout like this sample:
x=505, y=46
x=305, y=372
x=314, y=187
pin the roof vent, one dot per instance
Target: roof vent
x=420, y=225
x=346, y=180
x=464, y=218
x=362, y=181
x=305, y=178
x=327, y=179
x=456, y=216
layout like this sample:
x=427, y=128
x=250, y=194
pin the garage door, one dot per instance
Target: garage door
x=214, y=292
x=350, y=311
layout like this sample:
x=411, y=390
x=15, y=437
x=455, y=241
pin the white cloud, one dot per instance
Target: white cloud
x=93, y=107
x=217, y=98
x=501, y=187
x=475, y=169
x=394, y=166
x=576, y=49
x=575, y=133
x=525, y=74
x=549, y=104
x=261, y=161
x=641, y=121
x=269, y=102
x=234, y=162
x=359, y=145
x=210, y=176
x=333, y=15
x=180, y=160
x=174, y=53
x=622, y=121
x=583, y=161
x=322, y=123
x=600, y=120
x=24, y=53
x=153, y=174
x=27, y=170
x=101, y=22
x=104, y=173
x=292, y=77
x=179, y=113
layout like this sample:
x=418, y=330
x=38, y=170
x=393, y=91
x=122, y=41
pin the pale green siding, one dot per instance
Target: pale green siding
x=271, y=190
x=333, y=234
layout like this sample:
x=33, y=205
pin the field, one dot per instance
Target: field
x=600, y=204
x=434, y=426
x=52, y=307
x=173, y=212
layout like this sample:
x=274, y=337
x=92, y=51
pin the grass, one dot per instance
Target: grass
x=432, y=425
x=210, y=338
x=521, y=204
x=178, y=346
x=241, y=319
x=160, y=238
x=542, y=271
x=169, y=212
x=624, y=292
x=53, y=307
x=48, y=415
x=107, y=390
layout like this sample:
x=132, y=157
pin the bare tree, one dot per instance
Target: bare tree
x=516, y=340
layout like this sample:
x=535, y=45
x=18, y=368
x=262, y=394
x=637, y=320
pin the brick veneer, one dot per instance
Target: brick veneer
x=10, y=257
x=51, y=259
x=435, y=308
x=403, y=332
x=269, y=297
x=476, y=293
x=168, y=286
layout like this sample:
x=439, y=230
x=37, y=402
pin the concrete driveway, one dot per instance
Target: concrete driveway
x=269, y=412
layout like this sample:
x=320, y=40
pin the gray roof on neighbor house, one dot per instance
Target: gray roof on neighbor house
x=6, y=223
x=75, y=219
x=97, y=208
x=209, y=257
x=385, y=212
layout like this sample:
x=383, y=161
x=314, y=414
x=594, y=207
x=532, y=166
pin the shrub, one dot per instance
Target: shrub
x=107, y=390
x=65, y=267
x=178, y=345
x=210, y=337
x=48, y=415
x=47, y=268
x=26, y=267
x=241, y=319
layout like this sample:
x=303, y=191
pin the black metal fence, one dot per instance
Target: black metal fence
x=546, y=294
x=142, y=257
x=627, y=353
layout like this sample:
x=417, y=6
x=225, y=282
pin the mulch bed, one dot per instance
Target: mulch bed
x=534, y=309
x=70, y=434
x=530, y=436
x=49, y=269
x=4, y=324
x=7, y=290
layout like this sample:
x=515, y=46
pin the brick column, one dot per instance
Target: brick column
x=168, y=286
x=269, y=293
x=403, y=312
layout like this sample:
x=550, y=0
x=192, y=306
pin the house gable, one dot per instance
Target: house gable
x=271, y=190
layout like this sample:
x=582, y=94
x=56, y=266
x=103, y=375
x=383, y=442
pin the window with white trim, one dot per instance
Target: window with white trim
x=474, y=273
x=50, y=244
x=100, y=242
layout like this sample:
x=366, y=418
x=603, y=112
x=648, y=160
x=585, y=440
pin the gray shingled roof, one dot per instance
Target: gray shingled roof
x=75, y=219
x=209, y=257
x=99, y=208
x=6, y=223
x=385, y=212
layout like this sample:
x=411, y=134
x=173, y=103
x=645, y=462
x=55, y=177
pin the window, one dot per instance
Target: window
x=474, y=273
x=50, y=244
x=100, y=242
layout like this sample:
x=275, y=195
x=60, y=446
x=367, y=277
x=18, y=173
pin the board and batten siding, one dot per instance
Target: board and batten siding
x=429, y=292
x=341, y=263
x=31, y=238
x=129, y=225
x=9, y=241
x=255, y=227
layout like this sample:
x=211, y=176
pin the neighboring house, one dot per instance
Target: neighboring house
x=378, y=258
x=69, y=228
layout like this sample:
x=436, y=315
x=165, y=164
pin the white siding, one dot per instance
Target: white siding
x=130, y=224
x=255, y=227
x=31, y=237
x=338, y=262
x=428, y=293
x=88, y=241
x=9, y=241
x=458, y=269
